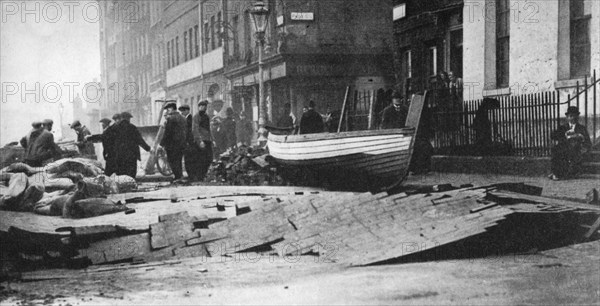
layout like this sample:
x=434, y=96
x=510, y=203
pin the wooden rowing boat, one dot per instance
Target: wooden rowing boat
x=359, y=160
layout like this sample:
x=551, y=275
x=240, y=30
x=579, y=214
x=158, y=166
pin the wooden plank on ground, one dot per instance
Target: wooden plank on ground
x=116, y=249
x=499, y=195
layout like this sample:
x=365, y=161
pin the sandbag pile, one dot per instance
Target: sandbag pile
x=72, y=188
x=88, y=200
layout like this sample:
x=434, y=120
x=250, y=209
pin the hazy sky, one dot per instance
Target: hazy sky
x=60, y=48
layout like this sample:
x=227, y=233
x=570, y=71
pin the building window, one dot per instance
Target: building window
x=432, y=61
x=196, y=41
x=206, y=37
x=580, y=53
x=191, y=42
x=407, y=63
x=218, y=30
x=212, y=32
x=247, y=33
x=456, y=52
x=406, y=70
x=399, y=11
x=235, y=21
x=185, y=46
x=177, y=50
x=502, y=43
x=168, y=55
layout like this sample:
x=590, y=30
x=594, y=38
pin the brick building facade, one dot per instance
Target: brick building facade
x=428, y=38
x=206, y=49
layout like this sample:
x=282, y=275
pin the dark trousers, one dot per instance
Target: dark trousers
x=109, y=169
x=206, y=157
x=192, y=162
x=566, y=160
x=126, y=166
x=420, y=161
x=174, y=156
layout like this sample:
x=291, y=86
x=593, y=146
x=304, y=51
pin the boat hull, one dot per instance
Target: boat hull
x=370, y=160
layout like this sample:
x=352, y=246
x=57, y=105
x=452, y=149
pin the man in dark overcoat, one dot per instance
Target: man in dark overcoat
x=175, y=140
x=109, y=130
x=394, y=115
x=572, y=141
x=202, y=138
x=311, y=121
x=126, y=146
x=86, y=148
x=191, y=154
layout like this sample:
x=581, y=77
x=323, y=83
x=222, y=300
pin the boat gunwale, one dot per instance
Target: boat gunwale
x=340, y=135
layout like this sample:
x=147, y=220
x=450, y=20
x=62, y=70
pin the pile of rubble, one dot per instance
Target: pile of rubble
x=351, y=228
x=246, y=166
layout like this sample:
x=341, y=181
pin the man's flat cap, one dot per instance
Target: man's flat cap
x=116, y=116
x=126, y=115
x=184, y=107
x=48, y=121
x=75, y=124
x=203, y=102
x=105, y=120
x=172, y=105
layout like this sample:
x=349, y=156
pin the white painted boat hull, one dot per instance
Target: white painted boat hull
x=380, y=157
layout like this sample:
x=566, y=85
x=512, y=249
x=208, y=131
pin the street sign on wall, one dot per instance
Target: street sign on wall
x=303, y=16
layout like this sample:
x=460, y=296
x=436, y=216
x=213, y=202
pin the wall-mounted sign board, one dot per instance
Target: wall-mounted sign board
x=303, y=16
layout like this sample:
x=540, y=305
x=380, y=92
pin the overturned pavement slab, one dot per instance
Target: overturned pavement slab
x=353, y=229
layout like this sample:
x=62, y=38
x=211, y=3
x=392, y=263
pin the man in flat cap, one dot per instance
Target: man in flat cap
x=107, y=138
x=28, y=140
x=127, y=139
x=191, y=154
x=85, y=148
x=36, y=129
x=572, y=141
x=41, y=147
x=202, y=139
x=175, y=139
x=48, y=123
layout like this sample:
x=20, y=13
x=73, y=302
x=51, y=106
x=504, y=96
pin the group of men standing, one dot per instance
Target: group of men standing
x=188, y=137
x=120, y=142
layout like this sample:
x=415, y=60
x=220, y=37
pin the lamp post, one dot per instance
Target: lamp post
x=260, y=15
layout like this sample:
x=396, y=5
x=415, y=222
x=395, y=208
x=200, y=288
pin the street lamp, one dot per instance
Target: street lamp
x=260, y=15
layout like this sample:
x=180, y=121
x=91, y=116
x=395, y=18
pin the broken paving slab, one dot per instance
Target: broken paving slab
x=350, y=228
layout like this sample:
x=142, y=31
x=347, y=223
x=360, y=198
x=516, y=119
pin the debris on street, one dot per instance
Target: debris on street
x=246, y=166
x=354, y=229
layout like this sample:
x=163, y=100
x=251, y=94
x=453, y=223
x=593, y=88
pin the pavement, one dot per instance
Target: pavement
x=565, y=275
x=573, y=189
